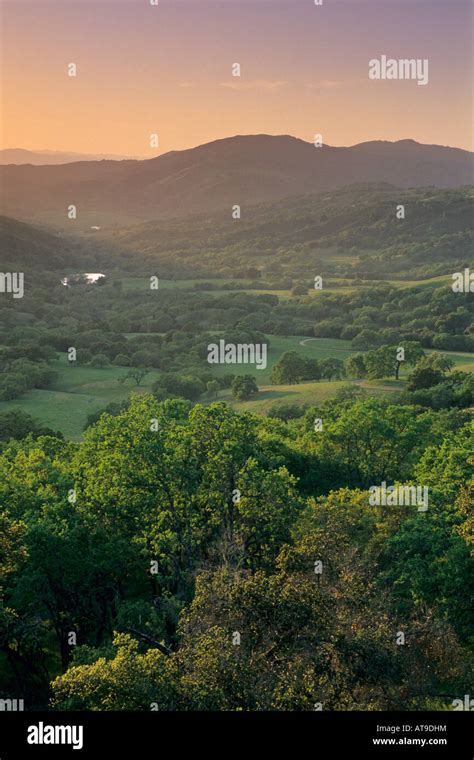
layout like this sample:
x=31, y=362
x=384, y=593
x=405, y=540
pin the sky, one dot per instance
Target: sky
x=167, y=70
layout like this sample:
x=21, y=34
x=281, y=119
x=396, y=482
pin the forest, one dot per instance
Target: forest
x=177, y=535
x=190, y=557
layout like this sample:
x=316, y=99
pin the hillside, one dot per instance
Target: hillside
x=238, y=170
x=27, y=246
x=354, y=230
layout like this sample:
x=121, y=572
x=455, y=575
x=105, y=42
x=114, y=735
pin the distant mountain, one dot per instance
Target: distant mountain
x=239, y=170
x=50, y=157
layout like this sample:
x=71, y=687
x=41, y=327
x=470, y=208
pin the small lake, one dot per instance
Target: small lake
x=89, y=277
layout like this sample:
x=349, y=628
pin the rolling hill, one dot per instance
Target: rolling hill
x=29, y=247
x=239, y=170
x=354, y=227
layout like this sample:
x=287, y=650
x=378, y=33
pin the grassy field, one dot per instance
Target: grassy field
x=304, y=393
x=310, y=348
x=317, y=348
x=464, y=362
x=77, y=392
x=80, y=391
x=336, y=285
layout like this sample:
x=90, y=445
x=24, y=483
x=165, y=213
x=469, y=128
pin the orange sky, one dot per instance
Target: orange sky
x=167, y=69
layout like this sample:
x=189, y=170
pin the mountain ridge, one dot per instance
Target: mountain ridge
x=240, y=170
x=21, y=156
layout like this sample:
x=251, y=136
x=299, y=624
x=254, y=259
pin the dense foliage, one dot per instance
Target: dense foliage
x=193, y=558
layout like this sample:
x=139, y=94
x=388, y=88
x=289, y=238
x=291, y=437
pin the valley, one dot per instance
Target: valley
x=230, y=477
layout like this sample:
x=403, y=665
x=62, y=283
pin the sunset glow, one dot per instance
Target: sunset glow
x=167, y=69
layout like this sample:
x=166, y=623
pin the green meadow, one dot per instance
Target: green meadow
x=313, y=393
x=83, y=390
x=77, y=392
x=317, y=348
x=335, y=285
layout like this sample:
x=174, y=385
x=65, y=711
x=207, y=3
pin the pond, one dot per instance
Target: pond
x=83, y=277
